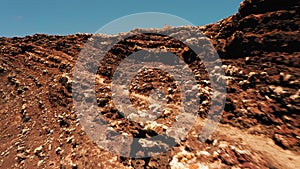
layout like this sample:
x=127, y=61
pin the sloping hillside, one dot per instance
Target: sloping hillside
x=259, y=128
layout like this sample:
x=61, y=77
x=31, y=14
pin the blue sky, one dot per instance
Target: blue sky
x=27, y=17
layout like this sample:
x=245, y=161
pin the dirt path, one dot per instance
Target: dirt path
x=275, y=155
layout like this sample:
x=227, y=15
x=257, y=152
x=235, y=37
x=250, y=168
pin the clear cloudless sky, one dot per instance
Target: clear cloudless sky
x=62, y=17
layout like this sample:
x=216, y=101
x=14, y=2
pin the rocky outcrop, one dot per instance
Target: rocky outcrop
x=262, y=33
x=260, y=26
x=260, y=126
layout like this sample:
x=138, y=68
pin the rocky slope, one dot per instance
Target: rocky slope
x=263, y=37
x=260, y=126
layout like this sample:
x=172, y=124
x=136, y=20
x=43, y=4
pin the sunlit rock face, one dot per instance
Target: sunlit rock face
x=260, y=124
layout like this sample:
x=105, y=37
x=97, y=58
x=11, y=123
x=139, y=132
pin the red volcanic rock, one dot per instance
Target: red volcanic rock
x=260, y=124
x=259, y=26
x=249, y=7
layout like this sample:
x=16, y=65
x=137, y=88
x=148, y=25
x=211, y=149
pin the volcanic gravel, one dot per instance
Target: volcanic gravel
x=259, y=127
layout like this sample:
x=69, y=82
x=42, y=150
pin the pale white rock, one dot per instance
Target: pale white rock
x=279, y=90
x=223, y=144
x=40, y=163
x=38, y=149
x=252, y=74
x=195, y=87
x=205, y=153
x=295, y=96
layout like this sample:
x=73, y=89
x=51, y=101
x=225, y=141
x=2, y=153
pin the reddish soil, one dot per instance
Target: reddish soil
x=259, y=128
